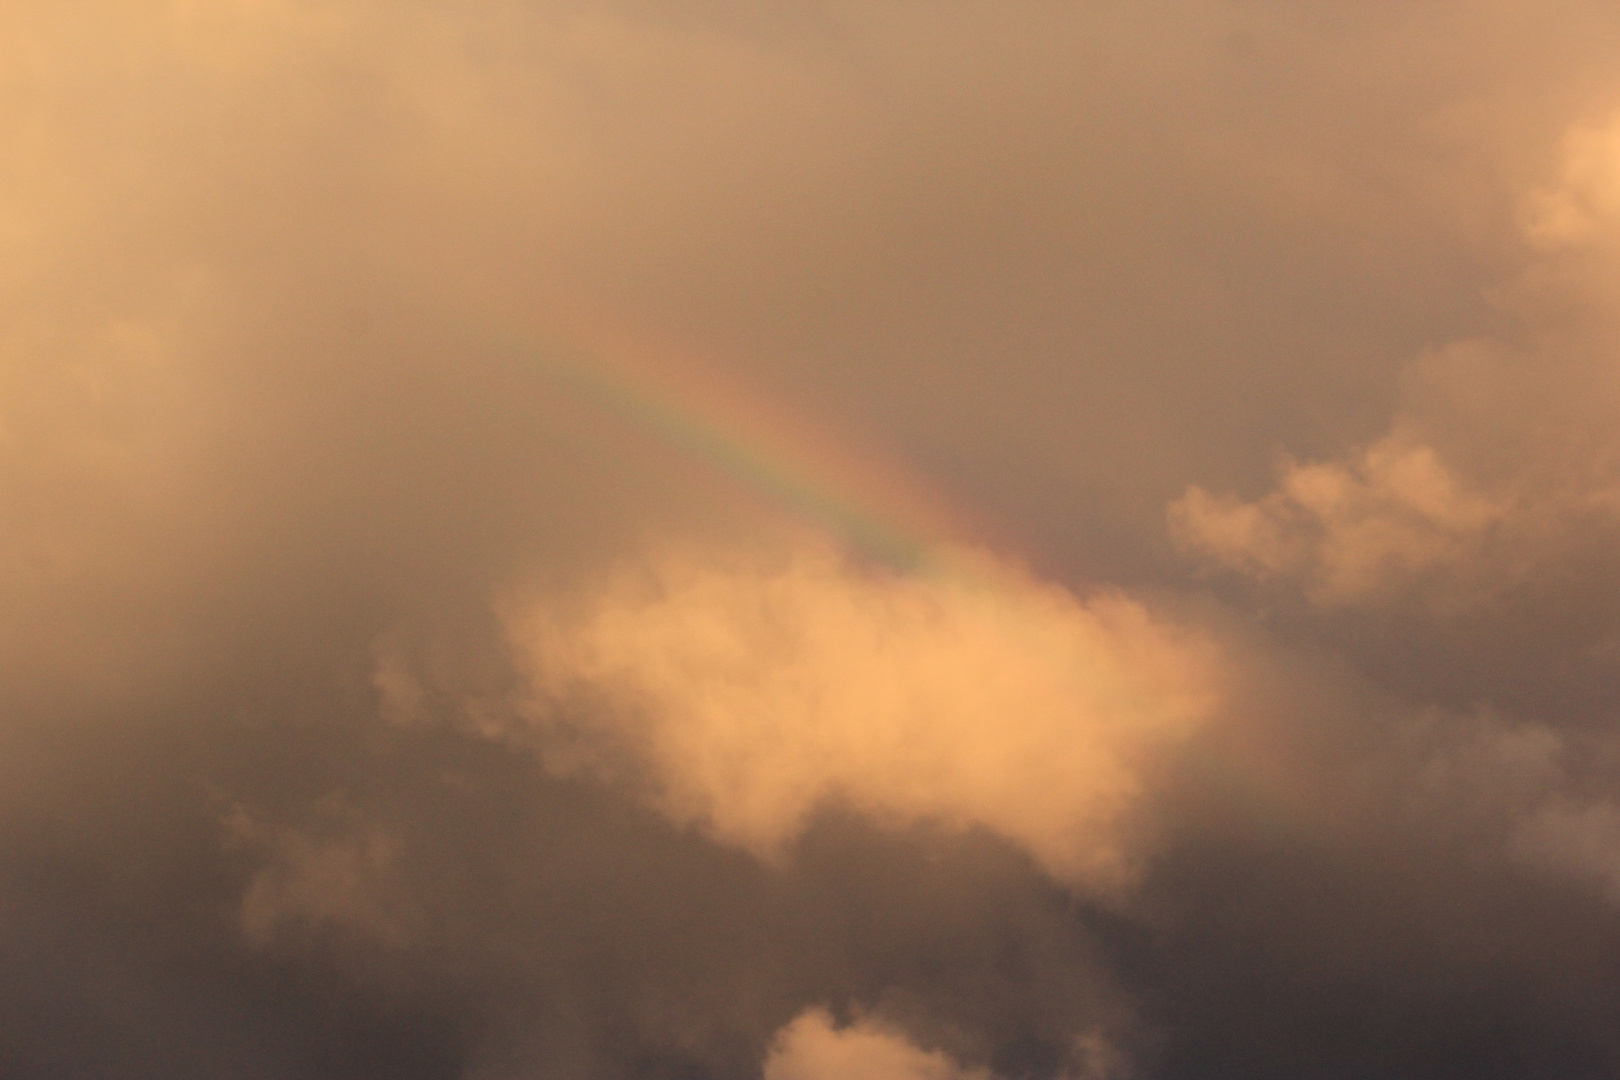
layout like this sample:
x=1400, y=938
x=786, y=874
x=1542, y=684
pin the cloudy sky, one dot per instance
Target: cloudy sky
x=809, y=540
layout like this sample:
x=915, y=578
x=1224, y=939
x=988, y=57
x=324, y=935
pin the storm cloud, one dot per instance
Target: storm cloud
x=953, y=541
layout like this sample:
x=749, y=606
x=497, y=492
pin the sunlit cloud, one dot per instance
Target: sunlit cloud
x=754, y=691
x=811, y=1048
x=963, y=541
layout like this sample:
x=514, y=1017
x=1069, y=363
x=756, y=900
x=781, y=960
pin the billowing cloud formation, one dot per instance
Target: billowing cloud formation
x=811, y=1048
x=1478, y=536
x=1581, y=207
x=307, y=325
x=1347, y=529
x=1502, y=462
x=753, y=693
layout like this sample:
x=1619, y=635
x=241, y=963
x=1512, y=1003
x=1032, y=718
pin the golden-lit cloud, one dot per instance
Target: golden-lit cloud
x=1347, y=529
x=323, y=322
x=1582, y=204
x=812, y=1048
x=753, y=692
x=1501, y=460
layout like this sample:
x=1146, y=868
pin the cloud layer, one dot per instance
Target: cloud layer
x=401, y=675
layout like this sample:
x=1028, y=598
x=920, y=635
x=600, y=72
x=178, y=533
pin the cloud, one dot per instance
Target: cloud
x=1582, y=204
x=812, y=1048
x=1581, y=839
x=751, y=693
x=1501, y=462
x=280, y=281
x=1349, y=531
x=1499, y=465
x=342, y=876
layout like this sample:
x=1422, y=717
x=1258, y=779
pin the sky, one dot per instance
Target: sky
x=651, y=540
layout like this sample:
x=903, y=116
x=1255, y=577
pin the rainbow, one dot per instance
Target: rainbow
x=883, y=512
x=738, y=433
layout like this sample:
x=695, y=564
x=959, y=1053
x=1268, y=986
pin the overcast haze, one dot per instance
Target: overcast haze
x=809, y=541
